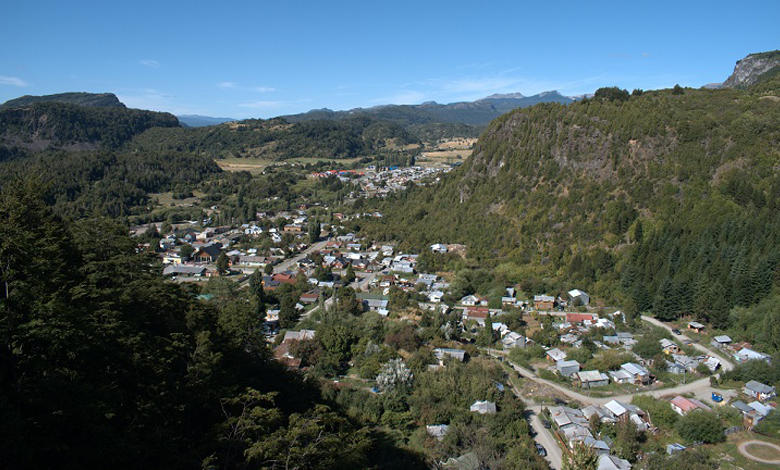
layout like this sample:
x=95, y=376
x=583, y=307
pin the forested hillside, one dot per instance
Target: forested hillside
x=675, y=190
x=277, y=139
x=47, y=125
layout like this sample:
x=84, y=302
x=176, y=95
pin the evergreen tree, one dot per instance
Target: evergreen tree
x=223, y=263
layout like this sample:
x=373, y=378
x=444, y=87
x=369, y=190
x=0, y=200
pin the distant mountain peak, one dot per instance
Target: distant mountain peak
x=548, y=93
x=504, y=96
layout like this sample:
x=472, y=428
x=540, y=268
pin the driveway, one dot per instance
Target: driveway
x=545, y=438
x=724, y=363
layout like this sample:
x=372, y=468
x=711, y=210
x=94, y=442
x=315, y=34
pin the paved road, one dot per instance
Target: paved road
x=290, y=263
x=725, y=364
x=545, y=438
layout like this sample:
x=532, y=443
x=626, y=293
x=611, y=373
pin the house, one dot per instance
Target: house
x=612, y=462
x=626, y=338
x=620, y=410
x=591, y=379
x=675, y=368
x=567, y=368
x=438, y=431
x=178, y=270
x=696, y=326
x=621, y=377
x=747, y=354
x=672, y=449
x=580, y=317
x=473, y=300
x=544, y=302
x=299, y=335
x=669, y=346
x=441, y=353
x=513, y=340
x=439, y=248
x=207, y=253
x=483, y=407
x=605, y=416
x=556, y=355
x=479, y=314
x=569, y=338
x=564, y=417
x=688, y=363
x=682, y=406
x=577, y=297
x=310, y=297
x=752, y=413
x=721, y=341
x=639, y=374
x=758, y=390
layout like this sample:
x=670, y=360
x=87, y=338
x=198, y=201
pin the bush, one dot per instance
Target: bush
x=701, y=426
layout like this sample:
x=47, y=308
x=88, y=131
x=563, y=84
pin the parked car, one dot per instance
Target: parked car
x=546, y=424
x=676, y=331
x=541, y=450
x=559, y=402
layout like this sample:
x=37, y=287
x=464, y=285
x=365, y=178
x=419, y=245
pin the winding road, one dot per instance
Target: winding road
x=701, y=388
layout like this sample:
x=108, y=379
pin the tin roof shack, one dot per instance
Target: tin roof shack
x=591, y=379
x=760, y=391
x=483, y=407
x=567, y=368
x=721, y=341
x=682, y=406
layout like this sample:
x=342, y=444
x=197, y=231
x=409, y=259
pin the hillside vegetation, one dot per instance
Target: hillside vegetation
x=47, y=125
x=674, y=189
x=277, y=139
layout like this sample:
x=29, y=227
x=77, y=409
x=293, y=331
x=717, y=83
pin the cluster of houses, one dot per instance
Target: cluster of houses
x=741, y=352
x=573, y=426
x=381, y=182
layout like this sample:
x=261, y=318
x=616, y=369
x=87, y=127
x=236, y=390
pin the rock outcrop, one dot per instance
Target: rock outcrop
x=752, y=68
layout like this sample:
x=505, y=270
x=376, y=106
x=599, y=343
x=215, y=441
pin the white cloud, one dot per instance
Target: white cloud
x=150, y=63
x=12, y=81
x=404, y=97
x=236, y=86
x=264, y=104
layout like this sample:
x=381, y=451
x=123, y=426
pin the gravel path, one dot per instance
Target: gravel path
x=743, y=450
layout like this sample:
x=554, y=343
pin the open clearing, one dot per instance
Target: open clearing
x=258, y=165
x=760, y=451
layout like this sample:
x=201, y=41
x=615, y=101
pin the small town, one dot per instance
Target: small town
x=584, y=373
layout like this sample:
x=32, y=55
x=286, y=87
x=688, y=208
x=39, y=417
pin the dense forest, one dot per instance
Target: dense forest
x=663, y=200
x=50, y=124
x=277, y=139
x=102, y=363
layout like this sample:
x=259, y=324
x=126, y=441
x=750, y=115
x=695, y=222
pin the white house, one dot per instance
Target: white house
x=577, y=297
x=760, y=391
x=483, y=407
x=439, y=248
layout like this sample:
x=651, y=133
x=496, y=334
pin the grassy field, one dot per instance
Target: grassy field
x=728, y=457
x=257, y=165
x=166, y=199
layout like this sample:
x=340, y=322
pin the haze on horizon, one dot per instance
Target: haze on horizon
x=264, y=60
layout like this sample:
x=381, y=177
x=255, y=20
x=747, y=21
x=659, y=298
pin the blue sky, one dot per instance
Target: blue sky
x=260, y=59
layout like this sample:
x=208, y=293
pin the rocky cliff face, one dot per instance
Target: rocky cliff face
x=750, y=69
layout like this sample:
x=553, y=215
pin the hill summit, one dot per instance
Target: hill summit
x=753, y=69
x=90, y=100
